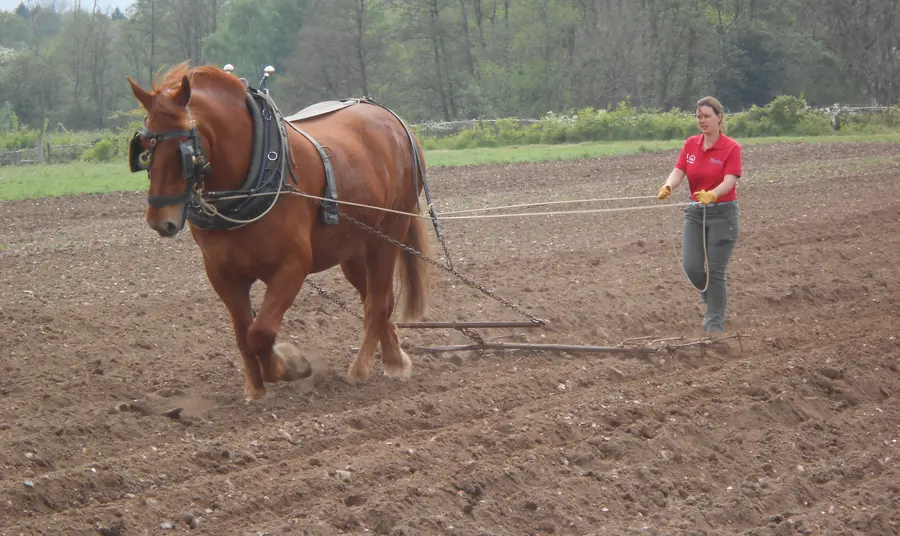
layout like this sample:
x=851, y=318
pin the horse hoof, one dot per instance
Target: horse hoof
x=296, y=367
x=399, y=371
x=357, y=373
x=252, y=393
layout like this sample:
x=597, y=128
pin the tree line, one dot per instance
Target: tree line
x=64, y=67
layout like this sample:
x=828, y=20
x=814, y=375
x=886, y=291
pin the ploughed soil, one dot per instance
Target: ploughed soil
x=122, y=411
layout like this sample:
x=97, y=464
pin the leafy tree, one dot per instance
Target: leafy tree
x=256, y=33
x=23, y=11
x=460, y=59
x=751, y=68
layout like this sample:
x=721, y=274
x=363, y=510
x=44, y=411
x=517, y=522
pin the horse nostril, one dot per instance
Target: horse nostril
x=170, y=228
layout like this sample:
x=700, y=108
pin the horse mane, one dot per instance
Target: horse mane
x=170, y=80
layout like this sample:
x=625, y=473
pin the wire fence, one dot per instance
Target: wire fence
x=44, y=154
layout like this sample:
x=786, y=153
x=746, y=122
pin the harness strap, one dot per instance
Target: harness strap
x=419, y=166
x=163, y=136
x=160, y=201
x=330, y=208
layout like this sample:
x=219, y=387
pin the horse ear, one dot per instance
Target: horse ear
x=142, y=95
x=183, y=94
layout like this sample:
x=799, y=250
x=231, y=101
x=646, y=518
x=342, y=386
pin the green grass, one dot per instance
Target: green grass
x=541, y=153
x=25, y=182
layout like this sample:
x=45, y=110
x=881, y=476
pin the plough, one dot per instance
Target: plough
x=638, y=346
x=631, y=347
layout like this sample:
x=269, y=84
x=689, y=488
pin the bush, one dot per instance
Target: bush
x=15, y=135
x=104, y=150
x=784, y=116
x=853, y=122
x=786, y=112
x=814, y=124
x=623, y=122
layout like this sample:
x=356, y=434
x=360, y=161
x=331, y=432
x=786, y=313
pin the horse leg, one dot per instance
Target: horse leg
x=413, y=275
x=379, y=304
x=397, y=363
x=281, y=291
x=235, y=294
x=354, y=270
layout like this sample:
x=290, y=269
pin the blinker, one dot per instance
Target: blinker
x=194, y=165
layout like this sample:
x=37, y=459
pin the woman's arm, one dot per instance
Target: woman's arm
x=725, y=186
x=675, y=178
x=733, y=169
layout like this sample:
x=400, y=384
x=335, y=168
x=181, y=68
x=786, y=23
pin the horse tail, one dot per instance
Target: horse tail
x=414, y=273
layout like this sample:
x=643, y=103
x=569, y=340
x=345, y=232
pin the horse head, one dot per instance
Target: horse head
x=176, y=143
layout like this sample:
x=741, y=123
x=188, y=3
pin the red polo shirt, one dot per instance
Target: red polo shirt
x=707, y=169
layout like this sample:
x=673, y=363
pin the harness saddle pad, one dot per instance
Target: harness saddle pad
x=321, y=108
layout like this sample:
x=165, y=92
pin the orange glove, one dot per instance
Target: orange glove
x=706, y=198
x=664, y=191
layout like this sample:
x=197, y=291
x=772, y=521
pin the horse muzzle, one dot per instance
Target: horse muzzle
x=167, y=222
x=166, y=229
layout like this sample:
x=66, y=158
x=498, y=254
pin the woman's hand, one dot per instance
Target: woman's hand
x=706, y=198
x=672, y=182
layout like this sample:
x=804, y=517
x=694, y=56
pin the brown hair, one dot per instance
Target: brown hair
x=713, y=103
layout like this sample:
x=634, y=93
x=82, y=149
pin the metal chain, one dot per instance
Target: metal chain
x=440, y=235
x=322, y=292
x=472, y=334
x=412, y=251
x=453, y=271
x=468, y=332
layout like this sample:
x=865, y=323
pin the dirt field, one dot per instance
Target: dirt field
x=106, y=328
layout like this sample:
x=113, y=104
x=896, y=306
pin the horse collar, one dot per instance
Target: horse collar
x=222, y=210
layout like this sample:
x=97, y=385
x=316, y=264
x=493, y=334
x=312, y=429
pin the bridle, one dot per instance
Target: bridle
x=194, y=165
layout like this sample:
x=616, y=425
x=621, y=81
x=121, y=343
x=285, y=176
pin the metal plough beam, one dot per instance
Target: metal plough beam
x=624, y=348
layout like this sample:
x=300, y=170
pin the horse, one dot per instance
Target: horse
x=259, y=192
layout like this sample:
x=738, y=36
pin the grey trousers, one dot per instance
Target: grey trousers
x=722, y=230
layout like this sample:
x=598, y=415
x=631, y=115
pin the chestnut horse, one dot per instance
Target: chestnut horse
x=207, y=133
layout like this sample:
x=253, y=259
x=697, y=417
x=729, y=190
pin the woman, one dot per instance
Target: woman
x=712, y=162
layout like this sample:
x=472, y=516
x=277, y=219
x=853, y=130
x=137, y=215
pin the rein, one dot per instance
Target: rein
x=705, y=256
x=294, y=191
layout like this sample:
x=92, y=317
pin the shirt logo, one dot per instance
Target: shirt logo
x=715, y=161
x=691, y=158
